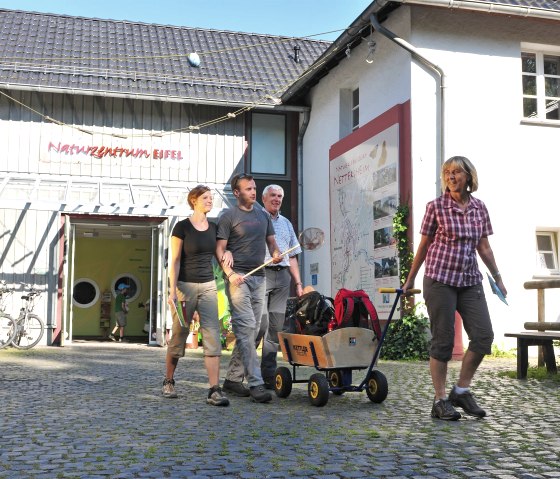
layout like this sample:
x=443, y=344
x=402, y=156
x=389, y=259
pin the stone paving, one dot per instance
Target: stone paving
x=95, y=410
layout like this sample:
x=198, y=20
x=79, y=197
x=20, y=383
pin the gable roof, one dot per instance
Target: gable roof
x=361, y=27
x=121, y=58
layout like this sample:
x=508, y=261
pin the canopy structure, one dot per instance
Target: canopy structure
x=87, y=195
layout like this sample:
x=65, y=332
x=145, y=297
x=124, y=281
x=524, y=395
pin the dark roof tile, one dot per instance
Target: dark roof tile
x=120, y=57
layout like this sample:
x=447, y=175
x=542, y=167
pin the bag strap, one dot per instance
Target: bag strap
x=372, y=314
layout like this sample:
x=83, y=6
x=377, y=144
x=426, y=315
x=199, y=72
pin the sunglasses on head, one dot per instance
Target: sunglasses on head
x=242, y=176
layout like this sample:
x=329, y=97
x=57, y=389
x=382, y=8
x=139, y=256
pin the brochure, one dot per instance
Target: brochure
x=497, y=291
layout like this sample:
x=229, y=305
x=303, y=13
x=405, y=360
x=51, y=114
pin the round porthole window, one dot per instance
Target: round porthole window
x=132, y=283
x=85, y=293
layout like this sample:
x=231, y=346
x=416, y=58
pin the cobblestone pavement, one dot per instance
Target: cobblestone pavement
x=95, y=410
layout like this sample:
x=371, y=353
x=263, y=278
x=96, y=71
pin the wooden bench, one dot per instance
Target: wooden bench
x=535, y=338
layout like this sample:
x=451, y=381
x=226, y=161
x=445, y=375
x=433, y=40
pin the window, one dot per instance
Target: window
x=355, y=109
x=541, y=84
x=268, y=144
x=85, y=293
x=547, y=257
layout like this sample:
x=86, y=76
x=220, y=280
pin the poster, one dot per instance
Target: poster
x=364, y=194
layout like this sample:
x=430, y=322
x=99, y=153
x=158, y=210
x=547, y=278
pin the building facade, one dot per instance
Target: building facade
x=105, y=127
x=410, y=84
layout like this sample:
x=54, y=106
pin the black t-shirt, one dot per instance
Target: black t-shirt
x=198, y=249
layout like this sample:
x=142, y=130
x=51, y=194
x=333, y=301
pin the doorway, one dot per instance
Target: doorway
x=100, y=254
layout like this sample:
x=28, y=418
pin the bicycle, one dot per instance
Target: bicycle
x=29, y=327
x=7, y=323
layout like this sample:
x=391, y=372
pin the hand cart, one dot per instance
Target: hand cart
x=336, y=353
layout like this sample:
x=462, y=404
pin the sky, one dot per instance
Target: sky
x=294, y=18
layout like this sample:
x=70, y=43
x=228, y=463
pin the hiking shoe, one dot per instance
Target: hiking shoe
x=168, y=389
x=467, y=402
x=269, y=382
x=443, y=409
x=112, y=337
x=216, y=397
x=260, y=394
x=236, y=388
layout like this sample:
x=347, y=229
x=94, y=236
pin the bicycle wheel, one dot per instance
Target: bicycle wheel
x=7, y=330
x=29, y=332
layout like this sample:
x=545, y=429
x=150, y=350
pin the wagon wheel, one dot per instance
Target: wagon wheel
x=282, y=382
x=377, y=387
x=318, y=390
x=335, y=381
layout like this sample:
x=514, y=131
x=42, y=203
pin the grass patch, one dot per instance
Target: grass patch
x=540, y=374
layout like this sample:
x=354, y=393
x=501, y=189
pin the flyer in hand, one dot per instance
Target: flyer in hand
x=497, y=291
x=179, y=308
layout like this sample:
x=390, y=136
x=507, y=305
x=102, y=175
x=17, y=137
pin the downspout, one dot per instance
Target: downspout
x=302, y=129
x=433, y=67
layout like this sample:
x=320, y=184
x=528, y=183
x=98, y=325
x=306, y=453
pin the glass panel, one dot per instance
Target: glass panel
x=52, y=190
x=552, y=86
x=529, y=85
x=175, y=196
x=551, y=65
x=552, y=110
x=545, y=261
x=530, y=107
x=117, y=194
x=268, y=144
x=83, y=192
x=19, y=189
x=146, y=195
x=529, y=62
x=544, y=243
x=355, y=118
x=355, y=98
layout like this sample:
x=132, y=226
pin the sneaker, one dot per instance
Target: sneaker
x=123, y=340
x=112, y=337
x=168, y=389
x=260, y=394
x=443, y=409
x=216, y=397
x=269, y=382
x=467, y=402
x=236, y=388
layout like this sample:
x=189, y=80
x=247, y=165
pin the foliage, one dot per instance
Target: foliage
x=499, y=353
x=400, y=233
x=539, y=374
x=407, y=338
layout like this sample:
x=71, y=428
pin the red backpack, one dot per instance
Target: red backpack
x=354, y=308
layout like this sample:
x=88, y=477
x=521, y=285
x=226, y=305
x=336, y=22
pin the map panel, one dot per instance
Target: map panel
x=363, y=200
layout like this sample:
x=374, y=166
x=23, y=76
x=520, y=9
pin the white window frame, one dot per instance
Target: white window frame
x=539, y=51
x=544, y=271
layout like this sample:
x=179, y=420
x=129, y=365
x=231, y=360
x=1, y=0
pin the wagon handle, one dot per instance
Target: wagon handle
x=398, y=290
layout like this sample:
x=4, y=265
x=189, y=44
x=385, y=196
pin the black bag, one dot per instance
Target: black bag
x=313, y=313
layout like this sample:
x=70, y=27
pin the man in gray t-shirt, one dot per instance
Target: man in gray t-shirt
x=241, y=230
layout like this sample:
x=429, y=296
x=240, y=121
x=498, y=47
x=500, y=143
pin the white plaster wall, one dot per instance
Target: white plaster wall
x=382, y=84
x=518, y=164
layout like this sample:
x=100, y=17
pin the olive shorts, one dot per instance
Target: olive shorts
x=201, y=297
x=442, y=301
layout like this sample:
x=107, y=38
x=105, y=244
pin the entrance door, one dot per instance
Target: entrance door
x=103, y=252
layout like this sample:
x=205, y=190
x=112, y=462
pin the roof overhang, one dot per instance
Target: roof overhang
x=361, y=27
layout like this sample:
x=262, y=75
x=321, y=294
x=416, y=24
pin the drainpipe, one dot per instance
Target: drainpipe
x=303, y=127
x=431, y=66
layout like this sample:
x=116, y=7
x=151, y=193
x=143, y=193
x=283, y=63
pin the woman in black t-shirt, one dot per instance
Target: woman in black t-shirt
x=192, y=289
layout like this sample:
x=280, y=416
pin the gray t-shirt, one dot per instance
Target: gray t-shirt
x=245, y=232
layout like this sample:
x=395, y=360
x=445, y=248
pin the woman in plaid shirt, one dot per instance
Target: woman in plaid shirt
x=455, y=227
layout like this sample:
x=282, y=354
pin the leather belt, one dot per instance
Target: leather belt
x=276, y=267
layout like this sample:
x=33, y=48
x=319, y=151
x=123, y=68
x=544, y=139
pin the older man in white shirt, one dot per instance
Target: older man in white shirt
x=278, y=282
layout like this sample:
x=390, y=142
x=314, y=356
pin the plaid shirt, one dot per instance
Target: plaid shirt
x=285, y=238
x=451, y=258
